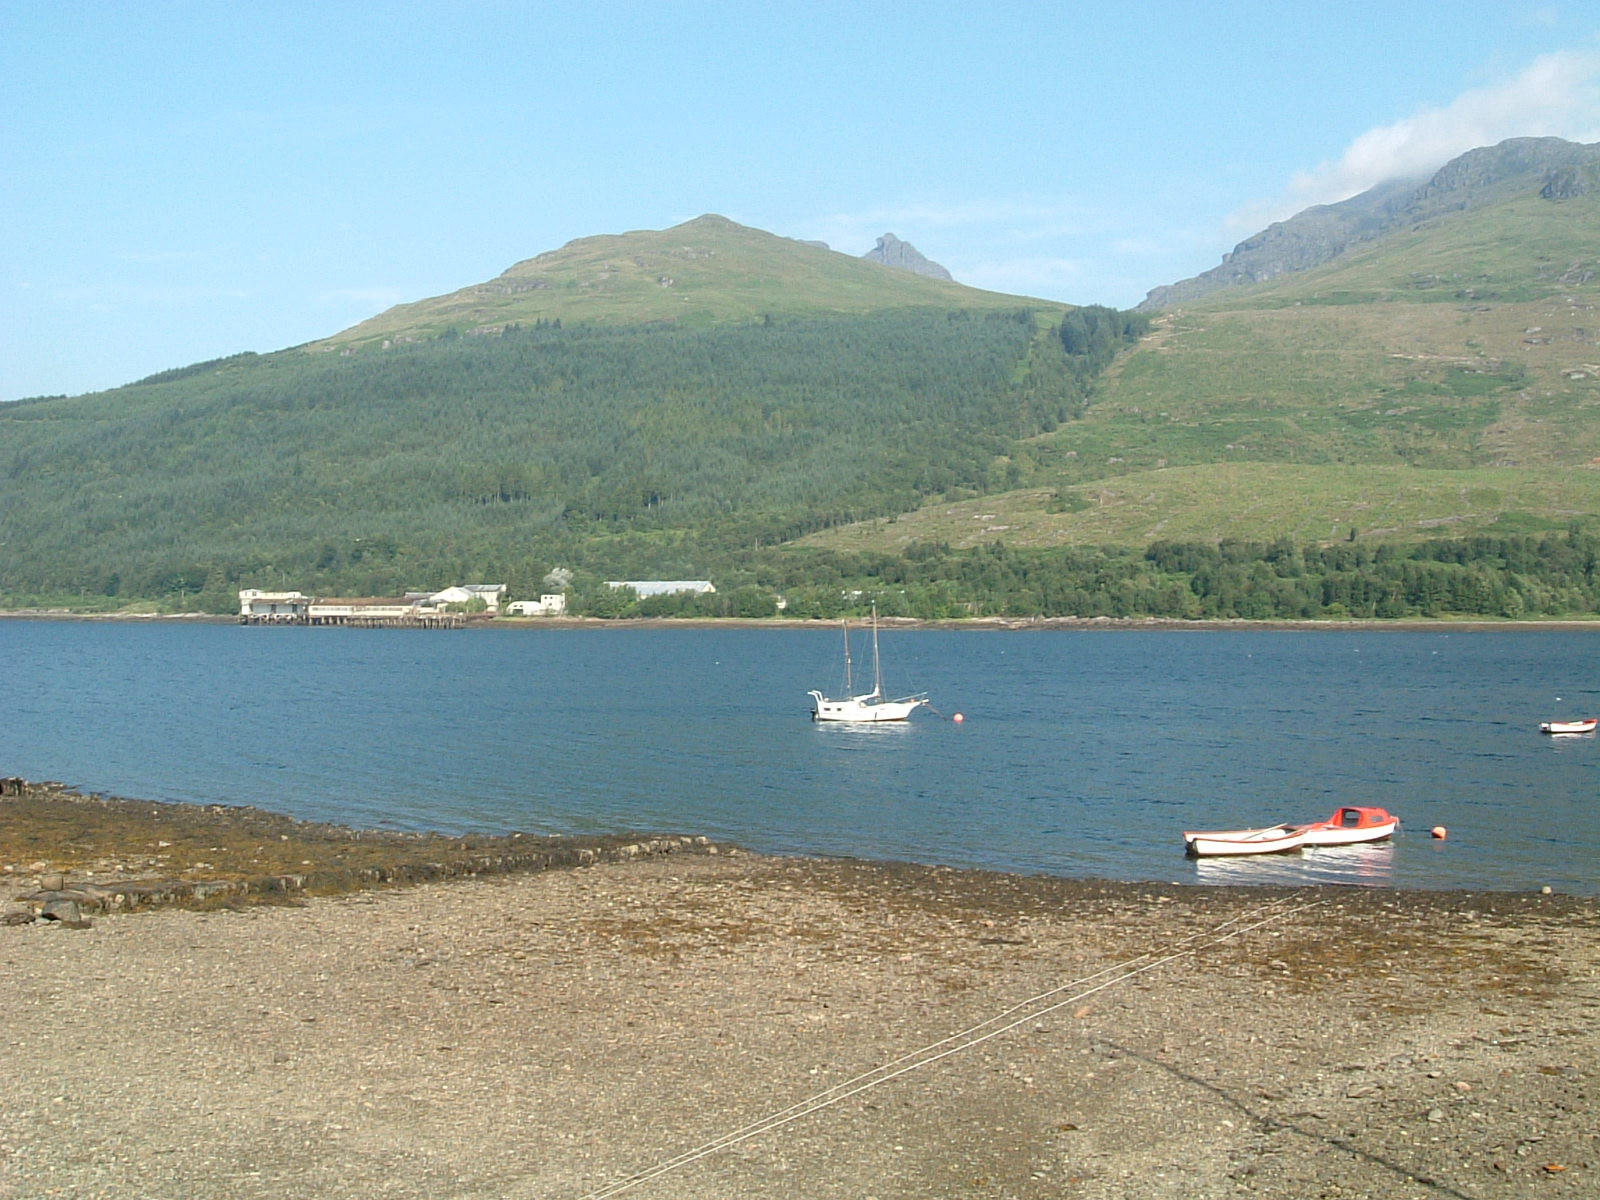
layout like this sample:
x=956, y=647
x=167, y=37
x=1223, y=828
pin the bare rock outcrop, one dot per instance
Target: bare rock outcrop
x=903, y=256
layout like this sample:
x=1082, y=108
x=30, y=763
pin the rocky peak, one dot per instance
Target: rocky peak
x=892, y=252
x=1552, y=167
x=1509, y=162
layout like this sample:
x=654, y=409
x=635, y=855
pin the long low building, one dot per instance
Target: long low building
x=664, y=587
x=372, y=611
x=257, y=607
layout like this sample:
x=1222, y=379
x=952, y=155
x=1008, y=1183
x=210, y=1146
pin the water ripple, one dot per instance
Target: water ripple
x=1082, y=753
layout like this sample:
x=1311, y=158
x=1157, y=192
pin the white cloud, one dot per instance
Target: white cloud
x=1558, y=95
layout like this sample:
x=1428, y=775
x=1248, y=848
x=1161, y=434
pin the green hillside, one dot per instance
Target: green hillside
x=1258, y=502
x=704, y=271
x=1552, y=168
x=1526, y=248
x=646, y=403
x=1444, y=379
x=631, y=450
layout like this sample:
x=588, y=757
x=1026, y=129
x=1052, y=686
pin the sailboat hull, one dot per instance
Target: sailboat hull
x=862, y=708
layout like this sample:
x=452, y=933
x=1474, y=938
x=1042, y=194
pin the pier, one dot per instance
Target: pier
x=295, y=608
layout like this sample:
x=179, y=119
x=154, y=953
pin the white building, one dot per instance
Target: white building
x=257, y=605
x=549, y=605
x=492, y=595
x=664, y=587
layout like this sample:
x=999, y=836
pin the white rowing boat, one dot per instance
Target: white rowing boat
x=1275, y=839
x=1585, y=725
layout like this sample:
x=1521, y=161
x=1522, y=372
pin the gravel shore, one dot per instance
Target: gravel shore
x=550, y=1034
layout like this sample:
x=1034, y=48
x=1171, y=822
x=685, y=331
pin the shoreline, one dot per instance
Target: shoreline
x=965, y=624
x=94, y=854
x=69, y=855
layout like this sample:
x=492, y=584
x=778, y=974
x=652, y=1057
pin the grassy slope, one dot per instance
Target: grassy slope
x=1252, y=501
x=706, y=270
x=1446, y=379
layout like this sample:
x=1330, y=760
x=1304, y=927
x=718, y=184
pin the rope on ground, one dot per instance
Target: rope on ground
x=975, y=1035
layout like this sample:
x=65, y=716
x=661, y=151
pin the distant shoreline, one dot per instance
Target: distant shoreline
x=62, y=614
x=972, y=624
x=969, y=624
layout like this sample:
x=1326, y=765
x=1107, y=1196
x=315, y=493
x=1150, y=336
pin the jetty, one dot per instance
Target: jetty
x=417, y=610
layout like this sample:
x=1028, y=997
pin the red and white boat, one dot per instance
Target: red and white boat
x=1273, y=840
x=1585, y=725
x=1351, y=824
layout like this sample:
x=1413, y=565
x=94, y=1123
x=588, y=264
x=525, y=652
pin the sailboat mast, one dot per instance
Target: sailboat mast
x=849, y=678
x=877, y=666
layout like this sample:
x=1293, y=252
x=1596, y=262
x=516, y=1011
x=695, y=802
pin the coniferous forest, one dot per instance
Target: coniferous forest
x=646, y=449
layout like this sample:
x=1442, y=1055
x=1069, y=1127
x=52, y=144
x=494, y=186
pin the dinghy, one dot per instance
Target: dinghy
x=1349, y=825
x=1273, y=840
x=1586, y=725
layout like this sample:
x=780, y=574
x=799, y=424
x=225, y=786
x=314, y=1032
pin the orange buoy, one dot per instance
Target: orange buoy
x=958, y=718
x=1440, y=832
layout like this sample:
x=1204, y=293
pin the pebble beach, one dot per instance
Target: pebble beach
x=707, y=1022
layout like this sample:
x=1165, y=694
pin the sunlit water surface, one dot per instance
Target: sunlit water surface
x=1080, y=753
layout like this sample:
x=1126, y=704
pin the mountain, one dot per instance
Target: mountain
x=1478, y=178
x=649, y=404
x=705, y=271
x=1411, y=426
x=892, y=252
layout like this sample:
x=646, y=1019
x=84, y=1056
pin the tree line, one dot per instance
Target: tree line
x=1551, y=575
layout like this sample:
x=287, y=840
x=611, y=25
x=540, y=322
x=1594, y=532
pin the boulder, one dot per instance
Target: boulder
x=64, y=911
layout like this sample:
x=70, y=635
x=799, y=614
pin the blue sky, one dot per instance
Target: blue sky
x=181, y=180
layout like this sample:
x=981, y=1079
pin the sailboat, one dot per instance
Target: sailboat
x=869, y=706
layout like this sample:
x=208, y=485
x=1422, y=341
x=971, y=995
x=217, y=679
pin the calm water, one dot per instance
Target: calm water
x=1081, y=753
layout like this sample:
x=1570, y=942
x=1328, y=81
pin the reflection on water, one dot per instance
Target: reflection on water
x=848, y=729
x=1559, y=740
x=1367, y=863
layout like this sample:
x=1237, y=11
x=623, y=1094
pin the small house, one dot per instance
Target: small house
x=257, y=606
x=492, y=595
x=550, y=605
